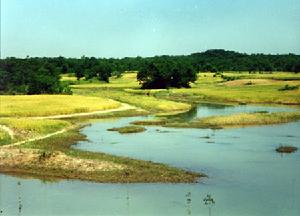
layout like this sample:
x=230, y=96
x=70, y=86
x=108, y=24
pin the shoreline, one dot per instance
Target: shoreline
x=131, y=171
x=43, y=159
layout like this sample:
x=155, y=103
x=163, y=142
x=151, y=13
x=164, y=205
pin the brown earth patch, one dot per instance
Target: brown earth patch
x=15, y=157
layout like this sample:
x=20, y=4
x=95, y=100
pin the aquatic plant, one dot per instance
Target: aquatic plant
x=128, y=129
x=286, y=149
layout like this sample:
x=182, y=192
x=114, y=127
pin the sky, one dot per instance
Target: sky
x=121, y=28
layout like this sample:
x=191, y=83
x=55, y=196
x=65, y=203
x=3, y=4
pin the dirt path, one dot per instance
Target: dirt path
x=123, y=107
x=8, y=130
x=38, y=138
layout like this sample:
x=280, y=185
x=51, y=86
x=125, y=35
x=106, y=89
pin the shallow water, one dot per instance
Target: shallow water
x=246, y=175
x=207, y=110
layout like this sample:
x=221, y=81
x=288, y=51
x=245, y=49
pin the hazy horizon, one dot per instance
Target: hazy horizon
x=78, y=57
x=130, y=28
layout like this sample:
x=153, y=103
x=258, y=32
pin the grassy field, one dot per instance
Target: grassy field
x=149, y=103
x=28, y=128
x=283, y=76
x=47, y=105
x=242, y=87
x=261, y=88
x=127, y=80
x=120, y=89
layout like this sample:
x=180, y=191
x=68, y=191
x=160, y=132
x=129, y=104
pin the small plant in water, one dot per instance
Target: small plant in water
x=20, y=206
x=188, y=197
x=209, y=201
x=286, y=149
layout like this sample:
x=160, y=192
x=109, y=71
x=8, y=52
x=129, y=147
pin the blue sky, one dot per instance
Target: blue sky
x=118, y=28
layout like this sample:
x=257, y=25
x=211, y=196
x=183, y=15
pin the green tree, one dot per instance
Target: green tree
x=166, y=72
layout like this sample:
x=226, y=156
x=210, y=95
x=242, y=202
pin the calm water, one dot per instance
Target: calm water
x=246, y=176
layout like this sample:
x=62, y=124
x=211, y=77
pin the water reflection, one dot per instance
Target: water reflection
x=206, y=110
x=187, y=116
x=248, y=153
x=1, y=210
x=189, y=203
x=127, y=201
x=20, y=206
x=209, y=202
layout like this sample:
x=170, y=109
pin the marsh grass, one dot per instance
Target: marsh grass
x=239, y=120
x=252, y=119
x=128, y=129
x=153, y=122
x=46, y=105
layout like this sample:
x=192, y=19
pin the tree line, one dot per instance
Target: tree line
x=42, y=75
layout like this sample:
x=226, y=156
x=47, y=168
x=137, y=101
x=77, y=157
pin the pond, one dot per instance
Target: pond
x=246, y=175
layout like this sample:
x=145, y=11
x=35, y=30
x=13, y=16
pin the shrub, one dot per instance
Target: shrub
x=289, y=88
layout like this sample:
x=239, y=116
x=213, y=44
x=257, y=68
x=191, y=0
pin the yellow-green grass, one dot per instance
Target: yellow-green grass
x=47, y=105
x=240, y=120
x=264, y=89
x=264, y=75
x=68, y=77
x=239, y=94
x=25, y=128
x=4, y=137
x=209, y=88
x=252, y=119
x=128, y=129
x=127, y=80
x=149, y=103
x=146, y=91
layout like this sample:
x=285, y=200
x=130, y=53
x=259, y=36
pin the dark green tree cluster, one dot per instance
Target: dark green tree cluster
x=90, y=68
x=222, y=60
x=165, y=72
x=41, y=75
x=30, y=76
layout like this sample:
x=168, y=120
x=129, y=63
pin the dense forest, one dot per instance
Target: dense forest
x=41, y=75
